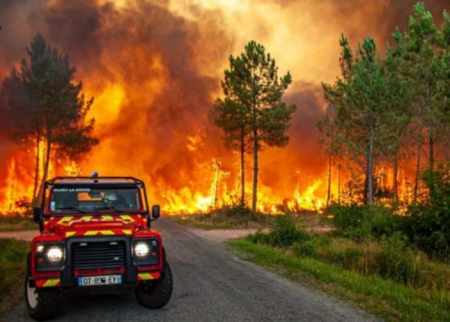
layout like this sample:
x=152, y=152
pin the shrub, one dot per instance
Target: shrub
x=428, y=222
x=360, y=222
x=307, y=248
x=342, y=252
x=260, y=238
x=396, y=260
x=285, y=232
x=311, y=247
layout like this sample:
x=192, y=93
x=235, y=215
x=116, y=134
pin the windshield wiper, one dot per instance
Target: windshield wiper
x=72, y=208
x=107, y=208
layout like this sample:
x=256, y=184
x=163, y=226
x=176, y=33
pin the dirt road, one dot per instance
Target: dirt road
x=211, y=284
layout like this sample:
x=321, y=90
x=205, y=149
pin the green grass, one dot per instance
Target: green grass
x=384, y=298
x=15, y=223
x=12, y=271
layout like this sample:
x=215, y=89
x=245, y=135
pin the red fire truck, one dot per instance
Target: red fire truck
x=95, y=233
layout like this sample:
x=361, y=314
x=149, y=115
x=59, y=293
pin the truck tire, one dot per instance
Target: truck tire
x=156, y=294
x=42, y=303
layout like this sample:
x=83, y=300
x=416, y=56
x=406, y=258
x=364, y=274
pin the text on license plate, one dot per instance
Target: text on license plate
x=100, y=280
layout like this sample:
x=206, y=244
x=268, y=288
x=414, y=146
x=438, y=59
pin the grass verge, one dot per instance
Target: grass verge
x=384, y=298
x=13, y=254
x=15, y=223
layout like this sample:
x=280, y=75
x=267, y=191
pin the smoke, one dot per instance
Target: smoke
x=154, y=70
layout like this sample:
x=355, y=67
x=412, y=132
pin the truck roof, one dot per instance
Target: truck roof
x=94, y=180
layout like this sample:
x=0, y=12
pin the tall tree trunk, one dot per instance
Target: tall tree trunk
x=242, y=166
x=430, y=129
x=339, y=183
x=431, y=160
x=370, y=162
x=34, y=199
x=330, y=161
x=47, y=160
x=395, y=178
x=430, y=140
x=216, y=182
x=46, y=167
x=255, y=170
x=416, y=182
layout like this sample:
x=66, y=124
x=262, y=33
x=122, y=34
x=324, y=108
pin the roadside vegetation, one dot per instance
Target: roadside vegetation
x=13, y=256
x=395, y=264
x=385, y=275
x=16, y=223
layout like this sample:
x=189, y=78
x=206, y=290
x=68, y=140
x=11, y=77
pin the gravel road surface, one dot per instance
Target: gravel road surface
x=211, y=284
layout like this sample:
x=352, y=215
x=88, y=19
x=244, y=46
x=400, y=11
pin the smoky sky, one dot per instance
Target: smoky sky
x=160, y=59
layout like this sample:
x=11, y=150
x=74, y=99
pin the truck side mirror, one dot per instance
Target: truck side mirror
x=37, y=214
x=156, y=211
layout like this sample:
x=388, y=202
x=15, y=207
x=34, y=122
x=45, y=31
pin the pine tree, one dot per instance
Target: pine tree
x=256, y=113
x=44, y=106
x=366, y=99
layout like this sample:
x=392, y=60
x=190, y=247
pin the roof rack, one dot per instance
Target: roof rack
x=110, y=179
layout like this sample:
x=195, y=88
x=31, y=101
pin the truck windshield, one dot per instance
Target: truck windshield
x=89, y=200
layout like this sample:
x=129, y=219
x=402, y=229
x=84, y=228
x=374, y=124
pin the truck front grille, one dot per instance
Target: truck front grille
x=91, y=255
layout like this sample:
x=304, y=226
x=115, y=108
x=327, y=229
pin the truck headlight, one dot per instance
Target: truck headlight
x=54, y=254
x=141, y=249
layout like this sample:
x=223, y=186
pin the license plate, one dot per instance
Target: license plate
x=100, y=280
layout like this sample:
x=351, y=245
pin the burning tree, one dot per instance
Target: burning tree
x=370, y=102
x=44, y=107
x=252, y=113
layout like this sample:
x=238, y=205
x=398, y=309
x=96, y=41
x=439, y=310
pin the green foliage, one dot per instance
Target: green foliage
x=312, y=246
x=368, y=100
x=306, y=248
x=252, y=113
x=13, y=265
x=396, y=260
x=284, y=232
x=43, y=105
x=428, y=221
x=360, y=222
x=391, y=300
x=348, y=257
x=425, y=67
x=261, y=238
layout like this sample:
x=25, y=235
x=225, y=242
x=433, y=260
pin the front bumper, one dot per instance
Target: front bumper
x=79, y=263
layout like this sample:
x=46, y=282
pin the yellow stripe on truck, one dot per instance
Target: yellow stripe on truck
x=99, y=232
x=146, y=276
x=65, y=219
x=51, y=282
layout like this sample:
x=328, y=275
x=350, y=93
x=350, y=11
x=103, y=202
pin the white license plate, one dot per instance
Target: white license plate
x=100, y=280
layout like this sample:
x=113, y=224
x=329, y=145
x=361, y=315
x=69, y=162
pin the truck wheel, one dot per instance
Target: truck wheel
x=156, y=294
x=42, y=303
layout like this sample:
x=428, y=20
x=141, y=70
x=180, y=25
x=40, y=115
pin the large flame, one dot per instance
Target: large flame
x=154, y=69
